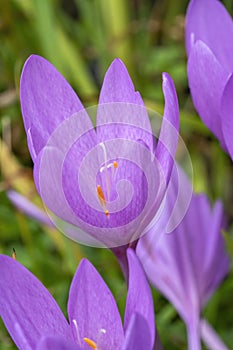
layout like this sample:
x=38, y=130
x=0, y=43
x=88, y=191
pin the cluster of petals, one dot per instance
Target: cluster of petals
x=209, y=44
x=35, y=321
x=109, y=180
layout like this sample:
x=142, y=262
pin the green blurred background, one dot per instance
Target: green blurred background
x=81, y=38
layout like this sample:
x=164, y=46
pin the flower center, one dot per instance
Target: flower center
x=92, y=344
x=108, y=171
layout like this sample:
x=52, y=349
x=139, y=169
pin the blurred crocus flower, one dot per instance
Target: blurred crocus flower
x=28, y=208
x=209, y=44
x=35, y=321
x=109, y=181
x=188, y=264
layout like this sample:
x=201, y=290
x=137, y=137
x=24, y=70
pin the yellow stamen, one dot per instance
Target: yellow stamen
x=101, y=196
x=91, y=343
x=107, y=213
x=115, y=164
x=14, y=254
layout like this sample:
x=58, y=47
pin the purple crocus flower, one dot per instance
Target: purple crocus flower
x=35, y=321
x=188, y=264
x=209, y=43
x=108, y=181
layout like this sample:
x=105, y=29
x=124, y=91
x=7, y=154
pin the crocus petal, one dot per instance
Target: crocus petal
x=168, y=138
x=226, y=111
x=28, y=208
x=178, y=196
x=210, y=337
x=92, y=310
x=117, y=92
x=210, y=22
x=214, y=267
x=173, y=209
x=48, y=167
x=207, y=79
x=137, y=335
x=58, y=343
x=139, y=298
x=156, y=259
x=46, y=100
x=156, y=265
x=118, y=86
x=27, y=308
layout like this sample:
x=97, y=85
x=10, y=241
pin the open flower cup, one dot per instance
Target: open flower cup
x=107, y=182
x=35, y=321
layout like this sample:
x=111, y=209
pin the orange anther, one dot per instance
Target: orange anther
x=91, y=343
x=101, y=196
x=115, y=164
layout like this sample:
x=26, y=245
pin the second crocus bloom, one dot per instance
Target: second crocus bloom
x=188, y=264
x=209, y=44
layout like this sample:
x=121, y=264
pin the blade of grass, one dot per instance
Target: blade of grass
x=115, y=14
